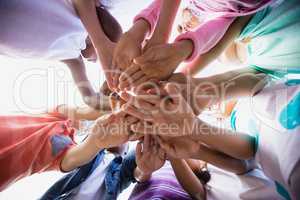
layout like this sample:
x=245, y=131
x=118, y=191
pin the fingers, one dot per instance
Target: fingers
x=142, y=115
x=136, y=137
x=164, y=145
x=160, y=91
x=126, y=77
x=138, y=102
x=131, y=120
x=129, y=72
x=152, y=70
x=141, y=128
x=134, y=77
x=116, y=80
x=174, y=93
x=138, y=151
x=146, y=143
x=138, y=76
x=145, y=58
x=161, y=153
x=141, y=96
x=110, y=80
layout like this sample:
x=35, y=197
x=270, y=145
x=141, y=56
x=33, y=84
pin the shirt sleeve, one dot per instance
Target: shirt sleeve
x=150, y=14
x=207, y=35
x=32, y=144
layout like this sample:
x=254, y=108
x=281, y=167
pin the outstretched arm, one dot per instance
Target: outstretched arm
x=88, y=15
x=108, y=131
x=78, y=71
x=187, y=179
x=187, y=147
x=223, y=161
x=165, y=22
x=103, y=45
x=201, y=61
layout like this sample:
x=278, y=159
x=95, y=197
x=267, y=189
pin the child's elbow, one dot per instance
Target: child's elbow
x=244, y=166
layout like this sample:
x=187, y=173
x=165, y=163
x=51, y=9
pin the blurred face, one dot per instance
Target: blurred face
x=189, y=21
x=89, y=52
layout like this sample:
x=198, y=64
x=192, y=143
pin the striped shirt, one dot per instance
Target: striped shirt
x=162, y=185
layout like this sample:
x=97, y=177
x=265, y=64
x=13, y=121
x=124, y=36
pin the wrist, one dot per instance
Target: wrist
x=186, y=48
x=140, y=175
x=93, y=143
x=139, y=30
x=102, y=45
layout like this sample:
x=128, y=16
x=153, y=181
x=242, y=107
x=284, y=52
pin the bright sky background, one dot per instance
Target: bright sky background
x=33, y=86
x=29, y=86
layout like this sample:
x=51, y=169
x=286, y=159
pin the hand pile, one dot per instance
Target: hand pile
x=156, y=113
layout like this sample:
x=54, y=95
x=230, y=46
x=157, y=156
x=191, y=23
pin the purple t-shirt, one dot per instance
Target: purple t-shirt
x=162, y=185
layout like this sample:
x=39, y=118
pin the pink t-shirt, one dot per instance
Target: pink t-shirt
x=207, y=35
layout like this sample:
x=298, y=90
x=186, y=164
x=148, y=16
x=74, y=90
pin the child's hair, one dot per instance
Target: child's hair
x=203, y=175
x=109, y=24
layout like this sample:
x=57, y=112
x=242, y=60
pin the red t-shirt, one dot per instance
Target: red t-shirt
x=32, y=144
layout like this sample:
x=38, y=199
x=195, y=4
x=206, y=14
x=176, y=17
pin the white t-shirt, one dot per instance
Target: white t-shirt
x=41, y=29
x=94, y=188
x=251, y=186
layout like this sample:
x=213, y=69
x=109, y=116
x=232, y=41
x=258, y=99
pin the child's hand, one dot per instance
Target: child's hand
x=172, y=112
x=149, y=157
x=126, y=50
x=111, y=130
x=105, y=55
x=129, y=47
x=178, y=147
x=132, y=77
x=159, y=62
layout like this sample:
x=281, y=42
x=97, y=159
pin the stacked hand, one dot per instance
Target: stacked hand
x=105, y=55
x=167, y=116
x=149, y=156
x=178, y=147
x=111, y=130
x=157, y=62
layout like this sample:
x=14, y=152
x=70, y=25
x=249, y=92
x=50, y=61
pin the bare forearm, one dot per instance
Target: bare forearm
x=78, y=71
x=222, y=160
x=237, y=145
x=79, y=155
x=166, y=19
x=203, y=60
x=227, y=86
x=139, y=30
x=87, y=12
x=188, y=180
